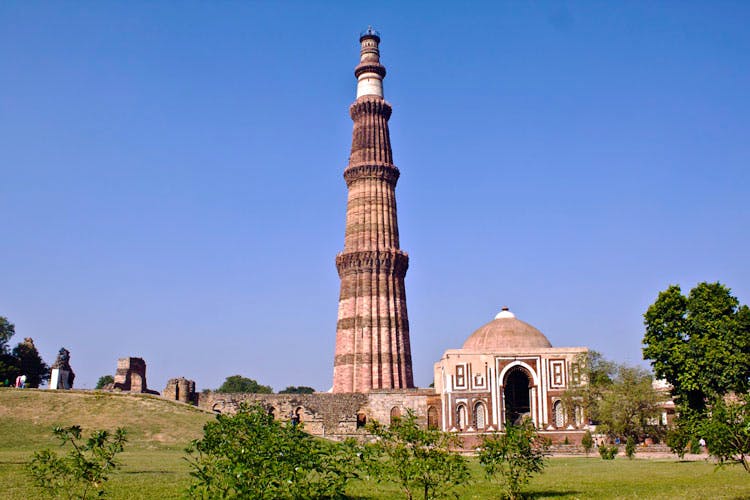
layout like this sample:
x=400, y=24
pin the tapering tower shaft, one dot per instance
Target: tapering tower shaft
x=372, y=333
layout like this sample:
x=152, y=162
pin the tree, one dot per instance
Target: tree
x=514, y=456
x=251, y=455
x=293, y=389
x=84, y=469
x=618, y=398
x=700, y=343
x=587, y=441
x=238, y=383
x=8, y=365
x=726, y=430
x=104, y=380
x=30, y=363
x=419, y=460
x=629, y=407
x=597, y=377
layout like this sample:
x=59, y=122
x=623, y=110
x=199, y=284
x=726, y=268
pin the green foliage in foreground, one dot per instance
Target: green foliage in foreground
x=727, y=431
x=251, y=455
x=514, y=457
x=85, y=468
x=587, y=441
x=418, y=460
x=608, y=452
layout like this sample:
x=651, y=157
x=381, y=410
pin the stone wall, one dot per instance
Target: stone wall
x=333, y=416
x=180, y=389
x=130, y=376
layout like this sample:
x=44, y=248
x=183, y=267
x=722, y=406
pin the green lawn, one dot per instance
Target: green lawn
x=153, y=465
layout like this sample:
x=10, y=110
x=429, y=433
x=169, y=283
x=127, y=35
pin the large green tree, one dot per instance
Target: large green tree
x=699, y=343
x=8, y=363
x=238, y=383
x=30, y=363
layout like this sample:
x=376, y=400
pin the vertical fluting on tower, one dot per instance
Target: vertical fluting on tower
x=372, y=333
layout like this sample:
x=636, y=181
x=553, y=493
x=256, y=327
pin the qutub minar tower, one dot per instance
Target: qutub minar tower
x=372, y=333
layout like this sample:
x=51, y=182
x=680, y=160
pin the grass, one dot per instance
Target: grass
x=153, y=464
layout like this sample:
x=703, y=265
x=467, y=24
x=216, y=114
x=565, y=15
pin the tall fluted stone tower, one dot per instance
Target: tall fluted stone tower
x=372, y=334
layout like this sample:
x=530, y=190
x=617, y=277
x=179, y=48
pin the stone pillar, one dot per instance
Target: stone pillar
x=372, y=333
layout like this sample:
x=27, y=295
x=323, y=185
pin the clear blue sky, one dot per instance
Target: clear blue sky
x=172, y=173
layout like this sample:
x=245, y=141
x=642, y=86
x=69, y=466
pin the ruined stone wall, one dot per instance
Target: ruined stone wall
x=181, y=389
x=131, y=376
x=334, y=416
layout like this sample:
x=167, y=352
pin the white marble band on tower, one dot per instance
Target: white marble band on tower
x=369, y=72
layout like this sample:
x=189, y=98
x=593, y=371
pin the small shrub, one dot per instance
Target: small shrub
x=420, y=461
x=630, y=447
x=567, y=441
x=514, y=456
x=608, y=452
x=587, y=442
x=85, y=468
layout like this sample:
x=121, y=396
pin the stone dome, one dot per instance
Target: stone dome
x=504, y=333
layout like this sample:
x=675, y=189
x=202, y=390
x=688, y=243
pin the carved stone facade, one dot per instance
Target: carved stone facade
x=507, y=370
x=372, y=333
x=180, y=389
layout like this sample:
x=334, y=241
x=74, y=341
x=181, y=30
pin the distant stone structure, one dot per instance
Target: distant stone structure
x=62, y=375
x=333, y=416
x=130, y=376
x=180, y=389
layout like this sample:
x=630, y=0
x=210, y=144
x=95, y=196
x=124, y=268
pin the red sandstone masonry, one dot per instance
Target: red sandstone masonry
x=372, y=334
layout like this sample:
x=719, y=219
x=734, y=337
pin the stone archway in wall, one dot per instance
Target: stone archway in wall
x=517, y=395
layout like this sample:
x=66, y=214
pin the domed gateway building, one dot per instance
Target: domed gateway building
x=508, y=370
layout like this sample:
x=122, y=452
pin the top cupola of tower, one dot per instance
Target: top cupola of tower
x=370, y=32
x=369, y=71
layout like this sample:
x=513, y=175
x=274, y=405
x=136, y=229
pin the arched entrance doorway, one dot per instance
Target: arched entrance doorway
x=517, y=395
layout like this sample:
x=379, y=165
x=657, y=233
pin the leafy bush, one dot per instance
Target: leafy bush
x=727, y=431
x=608, y=452
x=251, y=455
x=514, y=456
x=630, y=447
x=84, y=469
x=104, y=380
x=419, y=460
x=587, y=442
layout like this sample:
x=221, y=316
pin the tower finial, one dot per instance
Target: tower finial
x=369, y=71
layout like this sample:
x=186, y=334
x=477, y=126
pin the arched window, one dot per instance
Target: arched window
x=479, y=416
x=395, y=414
x=559, y=414
x=361, y=420
x=461, y=417
x=432, y=418
x=516, y=392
